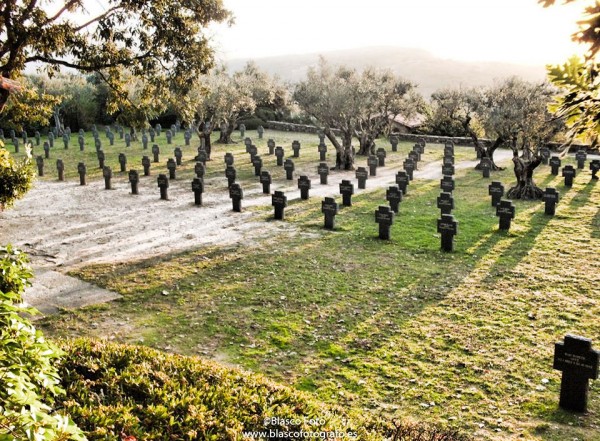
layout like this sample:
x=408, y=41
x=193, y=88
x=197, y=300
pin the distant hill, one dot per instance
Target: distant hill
x=417, y=65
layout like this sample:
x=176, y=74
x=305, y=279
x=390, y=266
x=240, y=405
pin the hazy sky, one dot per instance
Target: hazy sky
x=519, y=31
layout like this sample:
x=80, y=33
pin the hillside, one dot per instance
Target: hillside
x=417, y=65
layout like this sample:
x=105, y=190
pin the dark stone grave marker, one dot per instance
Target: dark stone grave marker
x=82, y=170
x=134, y=180
x=178, y=155
x=322, y=149
x=101, y=157
x=409, y=168
x=97, y=144
x=550, y=198
x=261, y=131
x=242, y=130
x=111, y=138
x=394, y=142
x=486, y=165
x=555, y=164
x=81, y=141
x=595, y=167
x=569, y=173
x=447, y=226
x=107, y=174
x=271, y=146
x=253, y=152
x=447, y=184
x=163, y=185
x=169, y=136
x=445, y=202
x=448, y=170
x=279, y=202
x=146, y=165
x=448, y=160
x=187, y=136
x=496, y=191
x=123, y=162
x=372, y=163
x=417, y=150
x=200, y=170
x=505, y=210
x=265, y=179
x=402, y=181
x=296, y=149
x=346, y=190
x=289, y=169
x=279, y=155
x=172, y=167
x=323, y=171
x=40, y=165
x=198, y=189
x=60, y=168
x=394, y=196
x=257, y=163
x=152, y=134
x=381, y=154
x=66, y=140
x=545, y=154
x=46, y=150
x=155, y=152
x=384, y=216
x=127, y=140
x=304, y=186
x=414, y=156
x=228, y=159
x=329, y=208
x=580, y=157
x=230, y=174
x=362, y=175
x=579, y=364
x=236, y=195
x=201, y=156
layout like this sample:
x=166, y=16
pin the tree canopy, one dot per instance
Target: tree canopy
x=159, y=41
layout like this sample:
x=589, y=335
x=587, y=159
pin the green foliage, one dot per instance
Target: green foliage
x=28, y=378
x=117, y=390
x=32, y=106
x=15, y=178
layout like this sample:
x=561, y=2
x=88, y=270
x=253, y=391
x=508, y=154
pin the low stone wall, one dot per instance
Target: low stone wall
x=290, y=127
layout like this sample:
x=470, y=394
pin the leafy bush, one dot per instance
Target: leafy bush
x=28, y=379
x=138, y=393
x=15, y=178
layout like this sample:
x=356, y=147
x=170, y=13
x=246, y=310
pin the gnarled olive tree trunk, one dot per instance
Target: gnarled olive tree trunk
x=344, y=158
x=525, y=188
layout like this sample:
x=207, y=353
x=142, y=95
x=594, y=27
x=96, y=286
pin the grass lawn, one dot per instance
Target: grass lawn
x=395, y=327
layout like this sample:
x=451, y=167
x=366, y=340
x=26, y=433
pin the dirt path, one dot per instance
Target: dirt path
x=63, y=225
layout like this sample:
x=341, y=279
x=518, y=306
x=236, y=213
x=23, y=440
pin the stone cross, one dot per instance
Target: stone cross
x=579, y=364
x=384, y=216
x=46, y=150
x=178, y=155
x=381, y=154
x=545, y=154
x=261, y=131
x=157, y=128
x=362, y=175
x=257, y=162
x=230, y=174
x=449, y=151
x=329, y=208
x=323, y=171
x=555, y=164
x=296, y=149
x=448, y=160
x=145, y=141
x=447, y=226
x=402, y=181
x=415, y=158
x=107, y=174
x=242, y=130
x=60, y=168
x=169, y=136
x=134, y=179
x=82, y=170
x=156, y=153
x=550, y=198
x=40, y=165
x=279, y=155
x=247, y=143
x=15, y=142
x=198, y=189
x=152, y=134
x=265, y=180
x=409, y=168
x=449, y=145
x=271, y=146
x=394, y=142
x=201, y=156
x=448, y=170
x=121, y=132
x=187, y=136
x=321, y=136
x=445, y=202
x=97, y=144
x=253, y=152
x=111, y=138
x=417, y=150
x=81, y=141
x=505, y=210
x=346, y=190
x=122, y=162
x=172, y=167
x=595, y=167
x=568, y=173
x=304, y=186
x=228, y=158
x=163, y=185
x=146, y=165
x=127, y=140
x=289, y=169
x=66, y=140
x=496, y=191
x=51, y=139
x=37, y=137
x=236, y=195
x=580, y=157
x=200, y=170
x=101, y=157
x=279, y=202
x=394, y=196
x=372, y=163
x=486, y=166
x=447, y=184
x=322, y=149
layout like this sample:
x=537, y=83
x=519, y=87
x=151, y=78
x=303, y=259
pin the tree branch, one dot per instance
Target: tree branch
x=98, y=18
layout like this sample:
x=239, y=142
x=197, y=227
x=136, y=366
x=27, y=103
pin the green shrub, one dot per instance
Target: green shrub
x=15, y=178
x=28, y=380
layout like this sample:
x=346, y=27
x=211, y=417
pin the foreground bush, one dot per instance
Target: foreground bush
x=28, y=378
x=15, y=178
x=138, y=393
